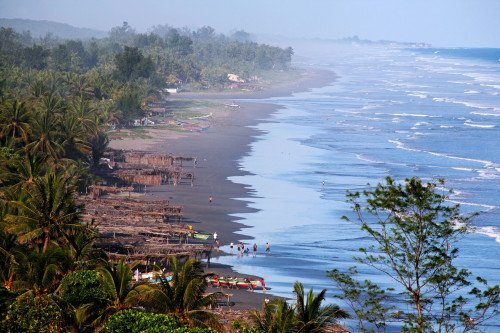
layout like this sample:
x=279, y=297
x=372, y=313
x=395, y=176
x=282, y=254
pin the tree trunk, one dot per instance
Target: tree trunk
x=46, y=242
x=420, y=320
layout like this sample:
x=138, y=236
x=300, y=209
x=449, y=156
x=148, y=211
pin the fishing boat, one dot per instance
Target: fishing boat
x=258, y=284
x=223, y=282
x=240, y=283
x=201, y=235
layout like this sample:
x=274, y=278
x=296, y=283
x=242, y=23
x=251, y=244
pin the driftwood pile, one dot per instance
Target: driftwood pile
x=153, y=159
x=98, y=190
x=152, y=169
x=145, y=213
x=141, y=230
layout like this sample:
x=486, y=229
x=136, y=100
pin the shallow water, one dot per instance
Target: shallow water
x=392, y=112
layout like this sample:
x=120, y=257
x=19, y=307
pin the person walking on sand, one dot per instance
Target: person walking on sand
x=231, y=247
x=268, y=248
x=254, y=250
x=215, y=236
x=210, y=199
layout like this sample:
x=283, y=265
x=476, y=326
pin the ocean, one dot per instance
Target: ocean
x=431, y=113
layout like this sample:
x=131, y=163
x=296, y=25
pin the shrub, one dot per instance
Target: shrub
x=81, y=287
x=137, y=321
x=34, y=313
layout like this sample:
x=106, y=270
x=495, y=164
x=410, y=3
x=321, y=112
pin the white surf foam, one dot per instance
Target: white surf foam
x=478, y=125
x=374, y=161
x=490, y=231
x=417, y=94
x=414, y=115
x=473, y=204
x=490, y=170
x=486, y=114
x=465, y=103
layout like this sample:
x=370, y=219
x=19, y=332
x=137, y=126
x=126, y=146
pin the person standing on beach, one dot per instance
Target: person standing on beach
x=268, y=248
x=231, y=247
x=254, y=249
x=210, y=199
x=215, y=236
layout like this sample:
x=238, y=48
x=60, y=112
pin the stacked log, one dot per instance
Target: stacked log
x=149, y=159
x=150, y=180
x=98, y=190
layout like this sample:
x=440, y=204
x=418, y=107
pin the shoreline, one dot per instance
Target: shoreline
x=218, y=151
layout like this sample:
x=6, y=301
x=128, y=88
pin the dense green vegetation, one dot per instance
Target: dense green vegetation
x=307, y=315
x=58, y=100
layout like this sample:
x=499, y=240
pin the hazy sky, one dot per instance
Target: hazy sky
x=440, y=22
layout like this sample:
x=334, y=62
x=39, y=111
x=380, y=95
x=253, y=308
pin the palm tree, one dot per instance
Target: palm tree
x=73, y=135
x=8, y=261
x=275, y=317
x=41, y=271
x=116, y=280
x=48, y=214
x=184, y=296
x=310, y=316
x=45, y=134
x=15, y=120
x=84, y=113
x=98, y=145
x=21, y=171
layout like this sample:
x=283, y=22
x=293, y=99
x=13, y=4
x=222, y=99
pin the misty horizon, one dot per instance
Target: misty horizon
x=447, y=23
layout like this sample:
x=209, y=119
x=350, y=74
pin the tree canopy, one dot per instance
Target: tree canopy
x=414, y=232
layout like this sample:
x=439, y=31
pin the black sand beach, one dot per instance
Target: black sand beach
x=217, y=150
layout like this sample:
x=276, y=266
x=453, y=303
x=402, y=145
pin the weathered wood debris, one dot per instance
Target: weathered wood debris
x=152, y=169
x=98, y=190
x=141, y=230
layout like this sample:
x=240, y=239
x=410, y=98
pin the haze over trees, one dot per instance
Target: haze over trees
x=59, y=99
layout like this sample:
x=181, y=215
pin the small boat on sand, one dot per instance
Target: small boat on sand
x=240, y=283
x=201, y=235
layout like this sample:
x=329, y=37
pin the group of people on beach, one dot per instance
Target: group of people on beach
x=242, y=250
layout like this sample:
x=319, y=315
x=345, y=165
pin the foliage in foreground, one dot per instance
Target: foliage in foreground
x=134, y=320
x=415, y=233
x=184, y=296
x=306, y=316
x=34, y=313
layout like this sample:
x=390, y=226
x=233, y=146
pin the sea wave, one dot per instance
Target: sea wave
x=495, y=86
x=481, y=77
x=464, y=103
x=489, y=231
x=418, y=115
x=364, y=158
x=473, y=204
x=417, y=94
x=490, y=170
x=486, y=114
x=478, y=125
